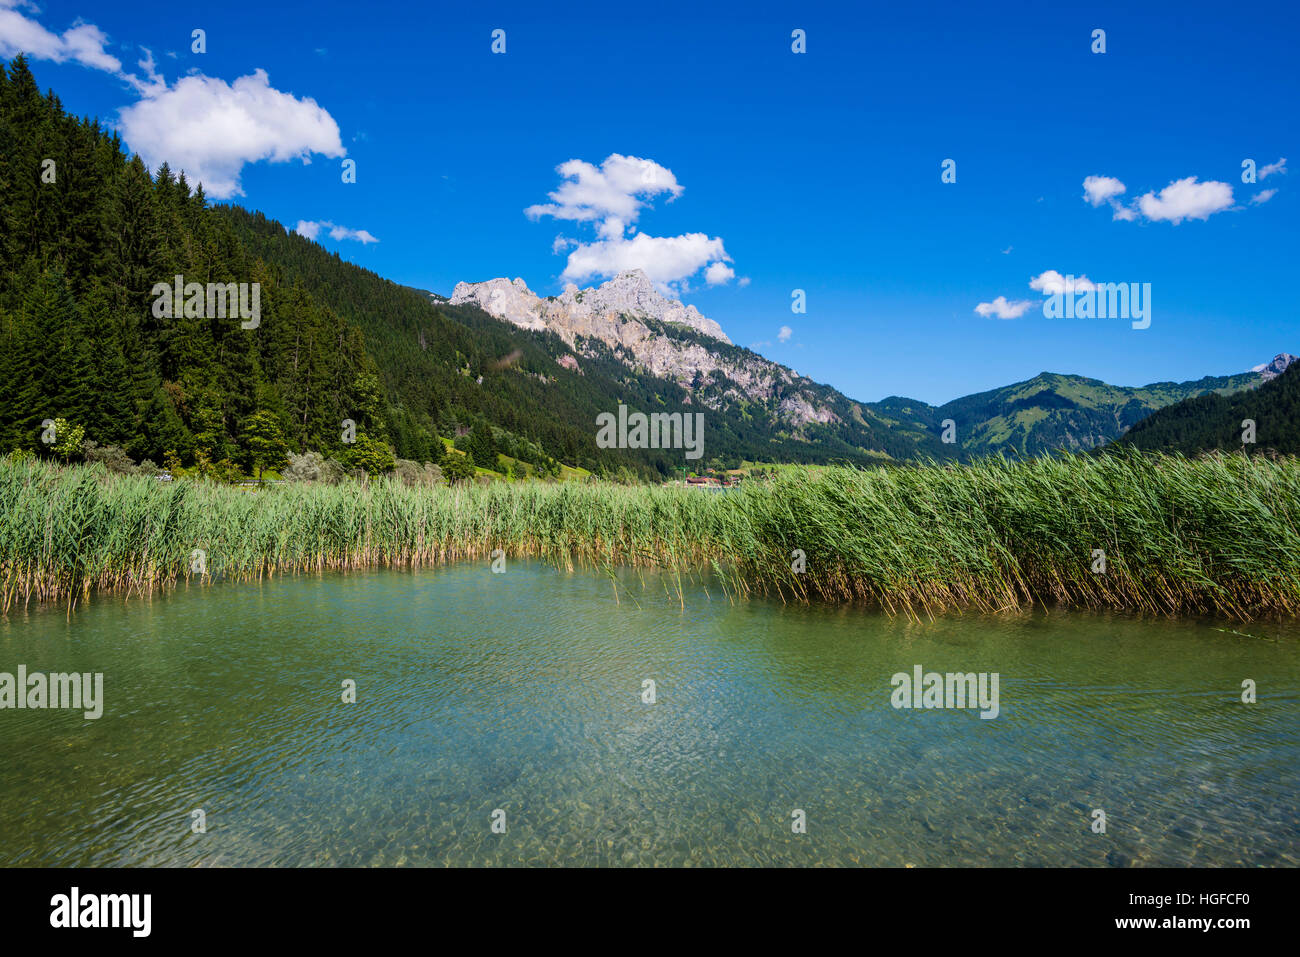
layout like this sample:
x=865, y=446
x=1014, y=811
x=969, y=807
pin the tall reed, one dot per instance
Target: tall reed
x=1210, y=535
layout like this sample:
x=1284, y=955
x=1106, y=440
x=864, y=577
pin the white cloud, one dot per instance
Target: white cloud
x=211, y=129
x=667, y=260
x=1104, y=189
x=206, y=127
x=1181, y=199
x=1051, y=282
x=82, y=43
x=1007, y=251
x=153, y=84
x=1263, y=196
x=1271, y=168
x=311, y=230
x=719, y=274
x=1003, y=309
x=611, y=197
x=1099, y=189
x=784, y=333
x=85, y=44
x=744, y=281
x=1186, y=199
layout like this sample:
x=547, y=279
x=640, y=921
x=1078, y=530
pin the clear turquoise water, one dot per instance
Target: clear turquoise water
x=522, y=692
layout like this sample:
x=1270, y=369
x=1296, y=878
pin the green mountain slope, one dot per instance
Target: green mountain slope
x=85, y=234
x=1052, y=411
x=1218, y=422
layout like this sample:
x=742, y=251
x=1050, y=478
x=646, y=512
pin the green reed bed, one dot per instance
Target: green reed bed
x=1212, y=535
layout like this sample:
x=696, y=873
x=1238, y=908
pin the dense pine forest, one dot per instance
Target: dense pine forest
x=1220, y=422
x=87, y=233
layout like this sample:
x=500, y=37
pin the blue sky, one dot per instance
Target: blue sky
x=817, y=171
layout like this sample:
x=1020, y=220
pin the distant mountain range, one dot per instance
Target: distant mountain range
x=629, y=320
x=1053, y=411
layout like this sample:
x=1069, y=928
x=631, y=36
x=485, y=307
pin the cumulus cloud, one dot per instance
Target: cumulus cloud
x=203, y=126
x=211, y=129
x=1279, y=167
x=1099, y=189
x=784, y=333
x=1051, y=282
x=1105, y=189
x=82, y=43
x=1186, y=199
x=1181, y=199
x=719, y=274
x=611, y=197
x=152, y=84
x=1003, y=309
x=311, y=230
x=1263, y=196
x=667, y=260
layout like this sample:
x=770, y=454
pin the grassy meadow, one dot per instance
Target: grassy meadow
x=1218, y=535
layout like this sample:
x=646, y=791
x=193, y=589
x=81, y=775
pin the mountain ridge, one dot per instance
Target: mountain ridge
x=629, y=292
x=649, y=331
x=1266, y=419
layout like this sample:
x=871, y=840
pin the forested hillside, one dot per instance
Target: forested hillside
x=1220, y=422
x=86, y=235
x=1067, y=412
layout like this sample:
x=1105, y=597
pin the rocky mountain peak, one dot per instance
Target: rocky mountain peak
x=646, y=330
x=511, y=300
x=1280, y=363
x=630, y=294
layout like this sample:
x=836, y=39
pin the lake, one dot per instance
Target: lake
x=523, y=693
